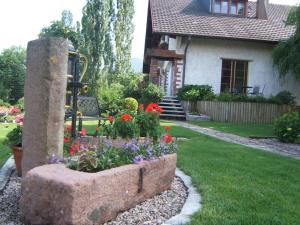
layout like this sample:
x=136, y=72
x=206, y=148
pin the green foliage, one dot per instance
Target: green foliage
x=63, y=28
x=125, y=125
x=12, y=74
x=5, y=104
x=152, y=94
x=20, y=104
x=14, y=137
x=123, y=32
x=286, y=55
x=287, y=128
x=284, y=98
x=149, y=124
x=196, y=93
x=131, y=104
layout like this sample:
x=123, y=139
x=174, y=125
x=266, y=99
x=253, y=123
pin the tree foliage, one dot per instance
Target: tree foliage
x=286, y=55
x=12, y=74
x=124, y=29
x=63, y=28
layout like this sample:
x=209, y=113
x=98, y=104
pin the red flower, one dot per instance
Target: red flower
x=15, y=110
x=72, y=151
x=126, y=117
x=141, y=107
x=67, y=139
x=153, y=107
x=68, y=129
x=83, y=132
x=168, y=138
x=168, y=128
x=111, y=119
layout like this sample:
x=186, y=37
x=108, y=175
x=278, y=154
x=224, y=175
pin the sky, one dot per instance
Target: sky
x=22, y=20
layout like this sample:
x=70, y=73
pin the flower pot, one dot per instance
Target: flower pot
x=18, y=154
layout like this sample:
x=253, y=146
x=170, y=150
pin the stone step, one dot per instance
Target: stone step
x=172, y=115
x=174, y=112
x=173, y=107
x=169, y=103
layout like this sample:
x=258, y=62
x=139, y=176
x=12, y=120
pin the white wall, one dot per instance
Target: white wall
x=204, y=63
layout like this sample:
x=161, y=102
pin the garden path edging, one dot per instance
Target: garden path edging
x=192, y=204
x=5, y=172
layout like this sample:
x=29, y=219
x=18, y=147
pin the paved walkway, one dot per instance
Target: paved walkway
x=270, y=145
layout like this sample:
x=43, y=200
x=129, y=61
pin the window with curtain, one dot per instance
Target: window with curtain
x=231, y=7
x=234, y=76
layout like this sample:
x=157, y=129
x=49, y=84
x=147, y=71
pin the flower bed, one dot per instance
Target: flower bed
x=103, y=175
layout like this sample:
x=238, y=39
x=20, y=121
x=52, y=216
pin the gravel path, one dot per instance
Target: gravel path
x=154, y=211
x=270, y=145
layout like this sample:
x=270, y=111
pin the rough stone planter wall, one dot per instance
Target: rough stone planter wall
x=56, y=195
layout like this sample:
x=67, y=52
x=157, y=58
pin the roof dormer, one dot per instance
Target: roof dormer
x=230, y=7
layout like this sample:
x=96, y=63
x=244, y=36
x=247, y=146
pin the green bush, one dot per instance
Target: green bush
x=283, y=98
x=131, y=104
x=152, y=94
x=20, y=104
x=228, y=97
x=14, y=137
x=287, y=127
x=5, y=104
x=195, y=93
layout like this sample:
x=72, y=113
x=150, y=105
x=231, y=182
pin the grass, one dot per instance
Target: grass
x=5, y=152
x=240, y=185
x=244, y=130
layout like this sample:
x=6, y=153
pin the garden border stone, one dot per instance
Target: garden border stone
x=54, y=194
x=192, y=204
x=6, y=171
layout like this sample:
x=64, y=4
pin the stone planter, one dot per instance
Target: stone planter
x=54, y=194
x=18, y=155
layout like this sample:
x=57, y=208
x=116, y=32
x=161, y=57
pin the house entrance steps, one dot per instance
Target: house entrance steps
x=172, y=108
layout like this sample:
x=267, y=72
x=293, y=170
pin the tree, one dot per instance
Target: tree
x=286, y=55
x=63, y=28
x=124, y=29
x=12, y=74
x=95, y=30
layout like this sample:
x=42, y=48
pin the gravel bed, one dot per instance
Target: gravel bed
x=154, y=211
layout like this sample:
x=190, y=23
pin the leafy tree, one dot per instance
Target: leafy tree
x=63, y=28
x=286, y=55
x=124, y=29
x=12, y=74
x=95, y=32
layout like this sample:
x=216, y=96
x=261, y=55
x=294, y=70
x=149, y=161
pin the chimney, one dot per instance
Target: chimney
x=261, y=9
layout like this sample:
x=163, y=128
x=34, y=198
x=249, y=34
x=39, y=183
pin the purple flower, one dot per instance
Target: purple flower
x=133, y=147
x=138, y=159
x=149, y=152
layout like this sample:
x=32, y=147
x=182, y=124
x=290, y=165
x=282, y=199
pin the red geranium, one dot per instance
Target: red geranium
x=111, y=119
x=168, y=138
x=168, y=128
x=15, y=110
x=67, y=139
x=75, y=147
x=126, y=117
x=72, y=151
x=83, y=132
x=153, y=107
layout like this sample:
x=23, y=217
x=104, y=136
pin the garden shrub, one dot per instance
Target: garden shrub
x=20, y=104
x=5, y=104
x=131, y=104
x=228, y=97
x=152, y=94
x=125, y=126
x=283, y=98
x=287, y=127
x=196, y=93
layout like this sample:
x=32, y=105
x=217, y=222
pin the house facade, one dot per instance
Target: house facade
x=223, y=43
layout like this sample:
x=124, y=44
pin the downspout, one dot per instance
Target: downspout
x=184, y=59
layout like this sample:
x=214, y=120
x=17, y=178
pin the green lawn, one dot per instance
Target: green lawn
x=239, y=185
x=5, y=152
x=245, y=130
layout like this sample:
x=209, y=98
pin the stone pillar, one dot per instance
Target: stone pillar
x=45, y=91
x=153, y=74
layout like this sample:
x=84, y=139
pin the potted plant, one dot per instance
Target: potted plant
x=14, y=140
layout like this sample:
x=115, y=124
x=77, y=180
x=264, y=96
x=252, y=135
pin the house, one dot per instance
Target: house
x=223, y=43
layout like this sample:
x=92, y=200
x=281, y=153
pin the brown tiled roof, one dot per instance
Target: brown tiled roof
x=188, y=17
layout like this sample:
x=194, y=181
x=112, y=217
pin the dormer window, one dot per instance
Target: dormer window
x=230, y=7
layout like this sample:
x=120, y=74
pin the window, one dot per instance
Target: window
x=234, y=76
x=232, y=7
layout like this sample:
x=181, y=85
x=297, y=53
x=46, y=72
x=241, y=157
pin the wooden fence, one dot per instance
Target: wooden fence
x=238, y=112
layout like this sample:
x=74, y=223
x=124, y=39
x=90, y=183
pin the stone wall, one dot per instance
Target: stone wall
x=56, y=195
